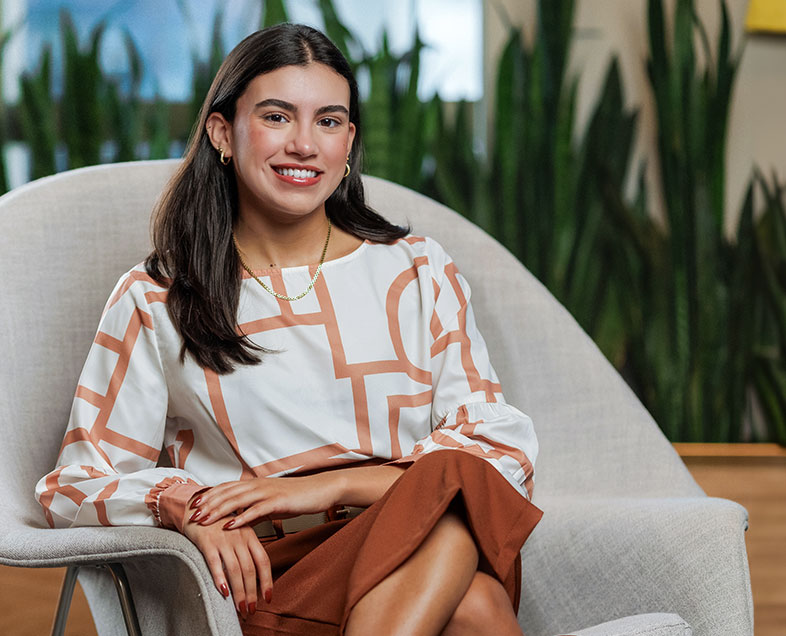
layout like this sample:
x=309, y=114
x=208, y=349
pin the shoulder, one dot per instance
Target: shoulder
x=415, y=250
x=136, y=288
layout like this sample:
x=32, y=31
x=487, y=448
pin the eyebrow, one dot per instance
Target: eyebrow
x=280, y=103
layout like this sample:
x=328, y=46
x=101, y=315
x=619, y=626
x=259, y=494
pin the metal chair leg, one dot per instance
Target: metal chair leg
x=64, y=604
x=125, y=598
x=123, y=595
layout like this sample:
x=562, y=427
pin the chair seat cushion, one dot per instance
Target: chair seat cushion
x=640, y=625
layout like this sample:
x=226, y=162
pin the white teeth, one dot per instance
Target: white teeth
x=297, y=173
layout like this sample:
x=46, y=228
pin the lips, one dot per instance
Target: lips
x=298, y=175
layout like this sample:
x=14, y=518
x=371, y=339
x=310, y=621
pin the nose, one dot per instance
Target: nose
x=302, y=141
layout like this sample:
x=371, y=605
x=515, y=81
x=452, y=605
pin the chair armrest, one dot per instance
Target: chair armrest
x=172, y=587
x=594, y=560
x=640, y=625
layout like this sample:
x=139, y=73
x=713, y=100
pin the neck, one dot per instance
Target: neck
x=266, y=243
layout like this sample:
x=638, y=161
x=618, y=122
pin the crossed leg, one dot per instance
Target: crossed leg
x=484, y=609
x=438, y=590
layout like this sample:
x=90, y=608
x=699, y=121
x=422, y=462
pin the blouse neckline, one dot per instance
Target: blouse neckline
x=327, y=264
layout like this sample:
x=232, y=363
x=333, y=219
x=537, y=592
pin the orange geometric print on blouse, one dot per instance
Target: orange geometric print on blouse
x=399, y=362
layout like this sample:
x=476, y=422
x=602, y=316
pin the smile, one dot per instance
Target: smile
x=296, y=173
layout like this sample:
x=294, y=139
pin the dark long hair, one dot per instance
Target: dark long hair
x=193, y=252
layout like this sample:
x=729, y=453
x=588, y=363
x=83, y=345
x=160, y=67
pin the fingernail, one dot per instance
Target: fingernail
x=229, y=524
x=242, y=608
x=204, y=519
x=224, y=590
x=196, y=502
x=195, y=516
x=269, y=595
x=252, y=608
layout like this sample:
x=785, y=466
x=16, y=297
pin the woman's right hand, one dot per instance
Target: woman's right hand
x=237, y=561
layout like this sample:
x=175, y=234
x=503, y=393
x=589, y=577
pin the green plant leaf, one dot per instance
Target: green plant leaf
x=38, y=118
x=509, y=146
x=5, y=37
x=82, y=122
x=274, y=12
x=378, y=111
x=770, y=387
x=159, y=129
x=338, y=33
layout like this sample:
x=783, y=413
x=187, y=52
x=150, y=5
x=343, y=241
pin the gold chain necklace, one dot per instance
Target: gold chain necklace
x=275, y=293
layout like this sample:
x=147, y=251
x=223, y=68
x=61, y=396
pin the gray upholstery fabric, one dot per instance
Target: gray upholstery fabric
x=641, y=625
x=592, y=559
x=626, y=529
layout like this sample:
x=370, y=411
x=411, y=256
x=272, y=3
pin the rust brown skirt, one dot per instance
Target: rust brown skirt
x=321, y=573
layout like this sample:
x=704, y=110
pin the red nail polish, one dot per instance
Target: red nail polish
x=242, y=608
x=196, y=502
x=252, y=608
x=195, y=516
x=268, y=595
x=204, y=519
x=229, y=524
x=224, y=589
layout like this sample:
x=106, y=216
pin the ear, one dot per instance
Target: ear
x=350, y=137
x=219, y=130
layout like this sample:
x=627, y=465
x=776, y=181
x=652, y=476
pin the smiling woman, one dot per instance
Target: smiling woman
x=290, y=140
x=264, y=113
x=335, y=427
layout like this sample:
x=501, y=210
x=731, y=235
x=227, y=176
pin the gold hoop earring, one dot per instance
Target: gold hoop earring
x=223, y=159
x=348, y=170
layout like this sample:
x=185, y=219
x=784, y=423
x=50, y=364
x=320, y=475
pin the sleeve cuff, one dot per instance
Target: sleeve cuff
x=172, y=502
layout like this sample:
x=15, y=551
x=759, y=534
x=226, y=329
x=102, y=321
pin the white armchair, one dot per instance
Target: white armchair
x=627, y=539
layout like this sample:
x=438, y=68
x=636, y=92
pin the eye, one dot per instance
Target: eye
x=276, y=118
x=329, y=122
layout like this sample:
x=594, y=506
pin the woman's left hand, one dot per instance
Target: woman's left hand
x=266, y=498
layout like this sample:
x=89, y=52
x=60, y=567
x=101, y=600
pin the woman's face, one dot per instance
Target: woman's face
x=289, y=140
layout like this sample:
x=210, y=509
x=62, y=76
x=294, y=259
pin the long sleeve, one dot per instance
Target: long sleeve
x=469, y=412
x=106, y=472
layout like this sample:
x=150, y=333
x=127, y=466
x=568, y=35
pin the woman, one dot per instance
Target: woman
x=295, y=353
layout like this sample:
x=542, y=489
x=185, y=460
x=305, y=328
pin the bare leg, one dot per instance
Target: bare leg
x=421, y=595
x=485, y=609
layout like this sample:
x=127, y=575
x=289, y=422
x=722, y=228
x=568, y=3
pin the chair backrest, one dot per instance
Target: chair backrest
x=66, y=239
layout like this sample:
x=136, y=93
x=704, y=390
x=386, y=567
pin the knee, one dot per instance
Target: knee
x=484, y=605
x=453, y=537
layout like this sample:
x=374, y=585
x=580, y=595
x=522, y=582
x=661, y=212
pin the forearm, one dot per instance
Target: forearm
x=363, y=486
x=282, y=497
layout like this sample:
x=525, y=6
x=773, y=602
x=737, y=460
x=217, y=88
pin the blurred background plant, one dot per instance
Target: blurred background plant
x=769, y=352
x=539, y=191
x=705, y=321
x=38, y=116
x=694, y=319
x=5, y=37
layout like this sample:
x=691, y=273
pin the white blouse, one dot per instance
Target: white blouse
x=381, y=361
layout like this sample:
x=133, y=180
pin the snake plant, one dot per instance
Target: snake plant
x=38, y=116
x=5, y=38
x=693, y=341
x=540, y=192
x=124, y=111
x=273, y=12
x=769, y=351
x=81, y=108
x=396, y=121
x=694, y=319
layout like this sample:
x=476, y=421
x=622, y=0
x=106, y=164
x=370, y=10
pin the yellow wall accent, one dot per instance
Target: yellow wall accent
x=766, y=15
